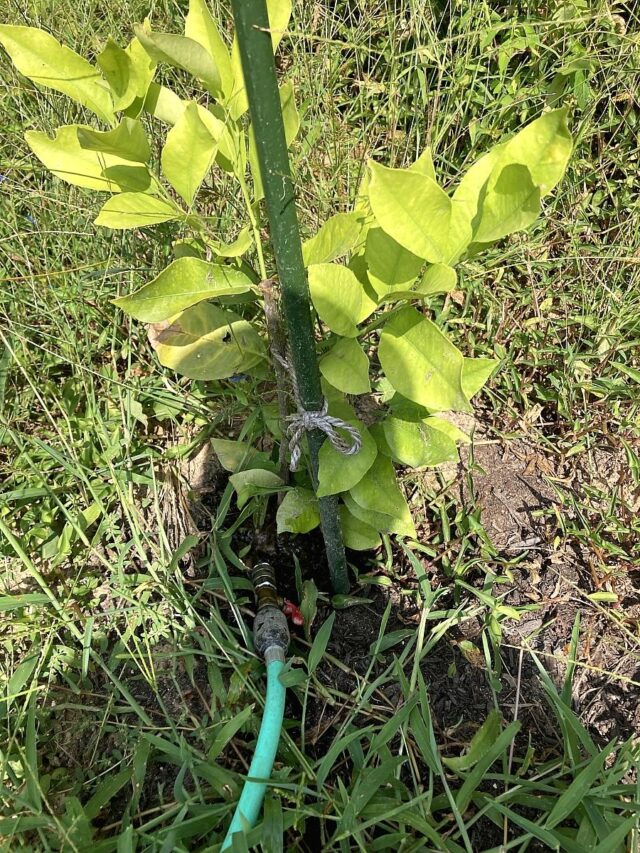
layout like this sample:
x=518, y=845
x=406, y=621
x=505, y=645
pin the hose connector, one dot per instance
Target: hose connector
x=270, y=628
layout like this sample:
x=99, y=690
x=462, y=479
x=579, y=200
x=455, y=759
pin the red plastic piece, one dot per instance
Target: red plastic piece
x=293, y=612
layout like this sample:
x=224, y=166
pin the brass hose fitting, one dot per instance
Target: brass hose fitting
x=270, y=629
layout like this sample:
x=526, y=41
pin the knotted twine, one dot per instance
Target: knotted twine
x=305, y=420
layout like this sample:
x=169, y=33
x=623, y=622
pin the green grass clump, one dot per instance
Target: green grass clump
x=131, y=701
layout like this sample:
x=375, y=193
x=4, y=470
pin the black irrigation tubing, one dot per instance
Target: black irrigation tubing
x=258, y=65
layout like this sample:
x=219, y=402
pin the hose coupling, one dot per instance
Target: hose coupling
x=270, y=628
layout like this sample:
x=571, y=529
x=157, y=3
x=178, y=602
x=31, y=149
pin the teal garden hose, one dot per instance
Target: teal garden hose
x=271, y=640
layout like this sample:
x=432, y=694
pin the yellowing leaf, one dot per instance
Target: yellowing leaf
x=412, y=209
x=254, y=482
x=44, y=60
x=181, y=52
x=544, y=147
x=189, y=150
x=65, y=157
x=486, y=200
x=164, y=104
x=183, y=283
x=135, y=210
x=339, y=298
x=207, y=342
x=475, y=373
x=298, y=512
x=438, y=278
x=390, y=267
x=448, y=428
x=346, y=367
x=357, y=535
x=128, y=141
x=128, y=72
x=338, y=472
x=424, y=165
x=200, y=26
x=336, y=238
x=380, y=495
x=417, y=444
x=510, y=204
x=421, y=363
x=466, y=201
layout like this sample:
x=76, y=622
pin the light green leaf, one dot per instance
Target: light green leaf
x=128, y=72
x=401, y=406
x=135, y=210
x=346, y=367
x=379, y=494
x=190, y=149
x=480, y=744
x=421, y=363
x=412, y=209
x=357, y=535
x=378, y=520
x=163, y=104
x=183, y=283
x=510, y=204
x=242, y=244
x=232, y=148
x=298, y=512
x=389, y=265
x=207, y=342
x=49, y=64
x=181, y=52
x=339, y=298
x=236, y=456
x=424, y=165
x=417, y=443
x=291, y=121
x=438, y=278
x=128, y=141
x=466, y=201
x=448, y=428
x=544, y=146
x=200, y=26
x=475, y=372
x=338, y=472
x=65, y=157
x=336, y=238
x=256, y=481
x=279, y=13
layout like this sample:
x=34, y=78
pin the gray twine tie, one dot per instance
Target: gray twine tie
x=306, y=421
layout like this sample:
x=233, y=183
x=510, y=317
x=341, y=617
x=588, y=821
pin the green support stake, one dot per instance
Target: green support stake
x=258, y=66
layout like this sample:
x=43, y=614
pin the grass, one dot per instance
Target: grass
x=131, y=700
